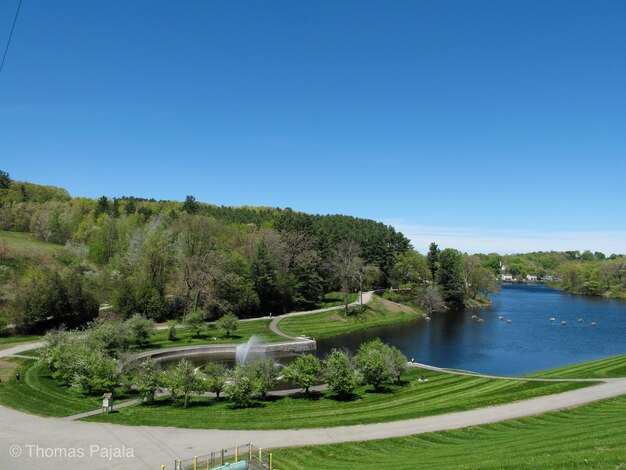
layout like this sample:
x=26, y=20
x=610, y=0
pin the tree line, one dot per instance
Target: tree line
x=164, y=259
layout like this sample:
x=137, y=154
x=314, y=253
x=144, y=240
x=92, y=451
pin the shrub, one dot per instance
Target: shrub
x=304, y=371
x=340, y=373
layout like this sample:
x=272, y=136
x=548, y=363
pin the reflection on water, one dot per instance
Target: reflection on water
x=530, y=343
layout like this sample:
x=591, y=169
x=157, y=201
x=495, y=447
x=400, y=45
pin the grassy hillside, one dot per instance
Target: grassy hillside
x=377, y=312
x=15, y=245
x=585, y=437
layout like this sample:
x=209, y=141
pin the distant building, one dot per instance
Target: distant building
x=506, y=277
x=531, y=278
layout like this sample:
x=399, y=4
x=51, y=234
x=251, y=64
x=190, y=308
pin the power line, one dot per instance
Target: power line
x=6, y=49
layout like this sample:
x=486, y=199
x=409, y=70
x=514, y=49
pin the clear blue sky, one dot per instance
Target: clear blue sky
x=461, y=120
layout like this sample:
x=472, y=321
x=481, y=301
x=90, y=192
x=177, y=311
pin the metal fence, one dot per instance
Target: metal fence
x=244, y=457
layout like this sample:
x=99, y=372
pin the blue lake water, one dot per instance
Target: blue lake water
x=530, y=343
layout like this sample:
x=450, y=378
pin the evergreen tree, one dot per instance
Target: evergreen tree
x=451, y=278
x=5, y=180
x=432, y=258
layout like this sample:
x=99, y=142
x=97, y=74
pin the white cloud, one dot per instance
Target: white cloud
x=506, y=241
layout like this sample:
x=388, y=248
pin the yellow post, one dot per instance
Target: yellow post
x=260, y=454
x=207, y=463
x=195, y=463
x=236, y=454
x=271, y=467
x=250, y=450
x=162, y=467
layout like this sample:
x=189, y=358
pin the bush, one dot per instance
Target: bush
x=140, y=328
x=217, y=375
x=373, y=364
x=171, y=330
x=240, y=386
x=4, y=325
x=195, y=319
x=340, y=373
x=229, y=323
x=379, y=363
x=265, y=373
x=304, y=371
x=182, y=381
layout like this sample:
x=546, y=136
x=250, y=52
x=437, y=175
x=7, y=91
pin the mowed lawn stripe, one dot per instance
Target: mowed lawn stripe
x=588, y=436
x=601, y=368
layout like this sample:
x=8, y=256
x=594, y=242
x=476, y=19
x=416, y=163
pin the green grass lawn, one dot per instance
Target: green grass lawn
x=333, y=299
x=590, y=436
x=442, y=393
x=601, y=368
x=40, y=394
x=379, y=312
x=188, y=337
x=21, y=244
x=10, y=341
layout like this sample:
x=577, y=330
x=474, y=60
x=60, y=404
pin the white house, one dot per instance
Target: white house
x=531, y=278
x=506, y=277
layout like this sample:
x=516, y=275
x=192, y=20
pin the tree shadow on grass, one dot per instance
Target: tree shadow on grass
x=312, y=396
x=255, y=404
x=345, y=397
x=383, y=390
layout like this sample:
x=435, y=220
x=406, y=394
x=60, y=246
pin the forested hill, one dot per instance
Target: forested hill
x=162, y=258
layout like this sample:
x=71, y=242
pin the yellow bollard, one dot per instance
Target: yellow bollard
x=195, y=463
x=162, y=467
x=250, y=451
x=271, y=467
x=260, y=454
x=236, y=454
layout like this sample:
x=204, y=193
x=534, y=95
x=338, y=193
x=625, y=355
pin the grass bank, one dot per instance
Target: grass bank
x=442, y=393
x=378, y=312
x=334, y=299
x=25, y=245
x=602, y=368
x=584, y=437
x=38, y=393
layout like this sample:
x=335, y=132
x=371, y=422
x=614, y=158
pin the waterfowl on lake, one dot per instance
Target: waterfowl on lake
x=580, y=320
x=552, y=319
x=427, y=318
x=563, y=323
x=509, y=321
x=500, y=317
x=593, y=323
